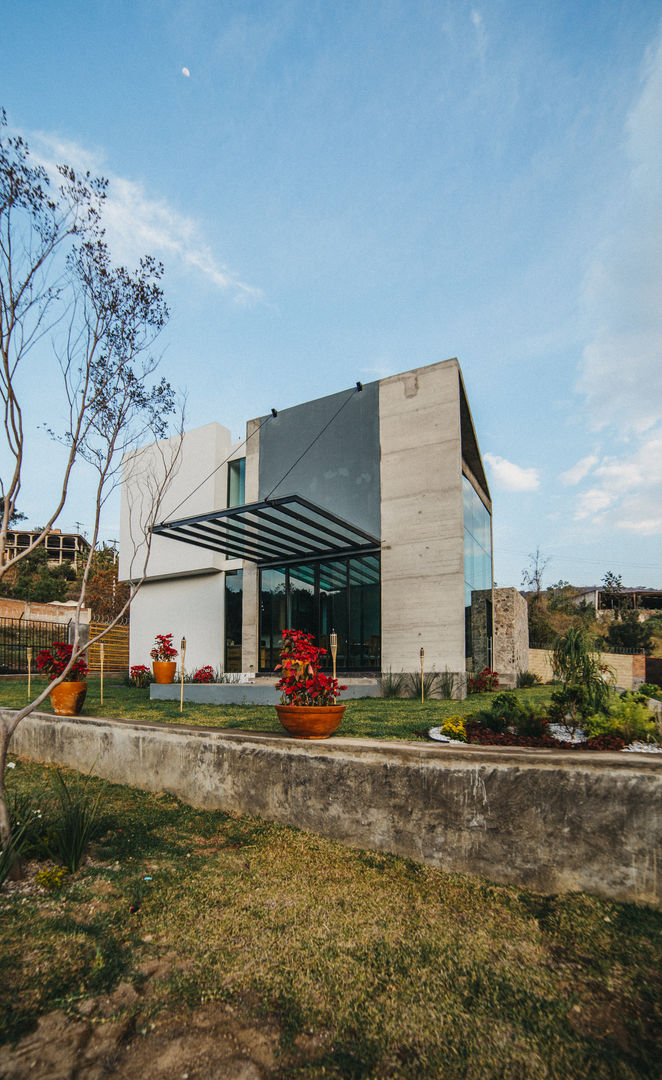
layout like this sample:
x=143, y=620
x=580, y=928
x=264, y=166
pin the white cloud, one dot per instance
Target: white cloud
x=512, y=477
x=579, y=471
x=592, y=502
x=137, y=223
x=621, y=373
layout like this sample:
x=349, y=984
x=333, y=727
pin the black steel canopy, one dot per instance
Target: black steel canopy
x=284, y=530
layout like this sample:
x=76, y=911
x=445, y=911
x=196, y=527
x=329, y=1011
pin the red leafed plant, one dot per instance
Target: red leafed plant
x=140, y=676
x=163, y=648
x=483, y=682
x=53, y=661
x=204, y=674
x=302, y=682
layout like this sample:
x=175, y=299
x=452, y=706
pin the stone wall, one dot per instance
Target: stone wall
x=582, y=821
x=629, y=671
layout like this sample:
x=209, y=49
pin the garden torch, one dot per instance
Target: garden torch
x=101, y=666
x=29, y=669
x=333, y=641
x=422, y=655
x=182, y=647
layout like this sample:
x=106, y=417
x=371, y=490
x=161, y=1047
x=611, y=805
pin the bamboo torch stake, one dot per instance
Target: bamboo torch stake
x=422, y=655
x=101, y=665
x=333, y=640
x=29, y=671
x=182, y=647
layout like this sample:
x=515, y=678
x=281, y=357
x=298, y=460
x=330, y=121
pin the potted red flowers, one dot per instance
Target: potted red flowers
x=163, y=659
x=68, y=696
x=308, y=708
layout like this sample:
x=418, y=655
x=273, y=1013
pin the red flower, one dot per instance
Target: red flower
x=302, y=683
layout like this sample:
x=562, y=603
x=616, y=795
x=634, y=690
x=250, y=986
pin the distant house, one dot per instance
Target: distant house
x=61, y=547
x=601, y=600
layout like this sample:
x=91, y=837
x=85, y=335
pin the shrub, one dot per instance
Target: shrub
x=507, y=712
x=204, y=674
x=392, y=684
x=627, y=718
x=430, y=684
x=51, y=879
x=651, y=690
x=526, y=679
x=140, y=676
x=484, y=682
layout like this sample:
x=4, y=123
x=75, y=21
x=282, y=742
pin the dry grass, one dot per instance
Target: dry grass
x=365, y=964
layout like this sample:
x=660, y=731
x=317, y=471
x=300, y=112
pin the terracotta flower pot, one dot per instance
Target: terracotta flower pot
x=310, y=721
x=164, y=670
x=67, y=698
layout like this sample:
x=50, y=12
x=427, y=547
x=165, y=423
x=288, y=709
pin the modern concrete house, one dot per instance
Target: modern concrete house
x=366, y=513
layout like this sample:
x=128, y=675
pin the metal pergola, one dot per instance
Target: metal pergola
x=275, y=532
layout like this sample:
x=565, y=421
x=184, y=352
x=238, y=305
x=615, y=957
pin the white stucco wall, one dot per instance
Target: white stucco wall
x=202, y=450
x=190, y=607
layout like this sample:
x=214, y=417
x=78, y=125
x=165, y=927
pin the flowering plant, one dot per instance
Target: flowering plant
x=140, y=676
x=163, y=648
x=485, y=681
x=53, y=661
x=302, y=682
x=204, y=674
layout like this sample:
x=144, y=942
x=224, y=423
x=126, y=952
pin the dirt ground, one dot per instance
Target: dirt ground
x=110, y=1037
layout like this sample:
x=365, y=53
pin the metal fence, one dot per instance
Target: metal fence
x=17, y=635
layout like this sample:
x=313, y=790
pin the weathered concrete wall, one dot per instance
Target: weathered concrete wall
x=586, y=821
x=422, y=533
x=627, y=669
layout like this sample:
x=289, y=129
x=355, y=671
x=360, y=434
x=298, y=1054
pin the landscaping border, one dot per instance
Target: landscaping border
x=528, y=817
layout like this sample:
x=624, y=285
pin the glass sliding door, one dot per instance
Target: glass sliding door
x=333, y=609
x=364, y=612
x=233, y=618
x=273, y=611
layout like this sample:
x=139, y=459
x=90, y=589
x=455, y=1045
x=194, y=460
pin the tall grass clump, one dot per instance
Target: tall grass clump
x=77, y=819
x=430, y=684
x=392, y=683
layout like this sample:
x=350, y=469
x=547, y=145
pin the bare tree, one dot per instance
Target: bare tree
x=532, y=574
x=96, y=324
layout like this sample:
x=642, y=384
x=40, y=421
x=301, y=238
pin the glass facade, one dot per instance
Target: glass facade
x=342, y=595
x=234, y=586
x=477, y=576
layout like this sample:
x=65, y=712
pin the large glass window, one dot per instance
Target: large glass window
x=237, y=482
x=477, y=576
x=233, y=618
x=342, y=595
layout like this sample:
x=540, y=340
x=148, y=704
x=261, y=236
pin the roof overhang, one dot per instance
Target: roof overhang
x=289, y=529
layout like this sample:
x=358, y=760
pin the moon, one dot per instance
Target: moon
x=185, y=71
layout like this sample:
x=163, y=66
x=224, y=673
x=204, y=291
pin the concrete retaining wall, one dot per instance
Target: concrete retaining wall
x=254, y=693
x=585, y=821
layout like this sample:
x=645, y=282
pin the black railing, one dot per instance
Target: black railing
x=18, y=635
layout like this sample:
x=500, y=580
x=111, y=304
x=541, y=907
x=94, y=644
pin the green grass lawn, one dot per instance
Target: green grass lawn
x=363, y=964
x=373, y=718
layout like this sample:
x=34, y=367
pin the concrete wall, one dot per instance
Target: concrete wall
x=422, y=532
x=588, y=822
x=629, y=670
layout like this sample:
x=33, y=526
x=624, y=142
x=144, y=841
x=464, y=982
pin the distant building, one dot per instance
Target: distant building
x=61, y=547
x=596, y=596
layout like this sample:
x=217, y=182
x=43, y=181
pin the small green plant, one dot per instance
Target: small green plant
x=651, y=690
x=526, y=679
x=430, y=684
x=11, y=851
x=446, y=684
x=140, y=676
x=76, y=821
x=392, y=683
x=51, y=879
x=626, y=717
x=454, y=727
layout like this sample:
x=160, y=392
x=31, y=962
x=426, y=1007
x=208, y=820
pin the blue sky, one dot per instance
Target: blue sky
x=341, y=191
